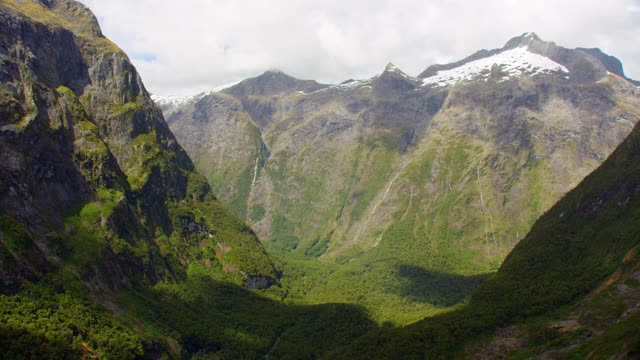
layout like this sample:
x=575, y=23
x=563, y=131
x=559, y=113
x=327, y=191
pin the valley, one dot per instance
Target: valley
x=400, y=182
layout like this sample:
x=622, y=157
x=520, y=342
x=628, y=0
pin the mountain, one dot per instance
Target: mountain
x=74, y=109
x=569, y=290
x=404, y=193
x=112, y=245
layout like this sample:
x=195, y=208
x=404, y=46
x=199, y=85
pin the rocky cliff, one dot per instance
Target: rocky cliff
x=90, y=174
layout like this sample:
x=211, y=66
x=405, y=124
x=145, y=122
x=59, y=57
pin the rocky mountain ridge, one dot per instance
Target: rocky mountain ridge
x=514, y=55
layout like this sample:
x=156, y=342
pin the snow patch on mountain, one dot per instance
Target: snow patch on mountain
x=513, y=63
x=348, y=85
x=178, y=100
x=181, y=100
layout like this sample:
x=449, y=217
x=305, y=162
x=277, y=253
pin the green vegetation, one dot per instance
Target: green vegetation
x=419, y=267
x=245, y=251
x=319, y=246
x=195, y=317
x=85, y=228
x=15, y=242
x=215, y=318
x=75, y=112
x=127, y=112
x=14, y=235
x=239, y=204
x=148, y=154
x=283, y=238
x=44, y=324
x=257, y=212
x=375, y=170
x=622, y=338
x=198, y=188
x=38, y=13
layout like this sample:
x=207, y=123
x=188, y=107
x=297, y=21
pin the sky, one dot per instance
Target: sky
x=183, y=47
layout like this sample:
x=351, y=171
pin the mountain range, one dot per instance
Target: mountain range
x=395, y=178
x=483, y=209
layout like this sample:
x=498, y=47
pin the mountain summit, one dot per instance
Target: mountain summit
x=272, y=82
x=391, y=68
x=529, y=52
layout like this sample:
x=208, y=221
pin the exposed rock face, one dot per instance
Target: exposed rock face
x=446, y=171
x=258, y=282
x=86, y=156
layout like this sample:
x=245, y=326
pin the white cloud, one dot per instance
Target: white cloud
x=182, y=47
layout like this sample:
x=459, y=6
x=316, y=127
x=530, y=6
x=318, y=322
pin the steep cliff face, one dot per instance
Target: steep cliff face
x=90, y=173
x=444, y=172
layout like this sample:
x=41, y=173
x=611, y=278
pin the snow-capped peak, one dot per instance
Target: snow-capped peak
x=513, y=63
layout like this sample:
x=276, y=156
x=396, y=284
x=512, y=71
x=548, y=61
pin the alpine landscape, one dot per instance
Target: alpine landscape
x=485, y=208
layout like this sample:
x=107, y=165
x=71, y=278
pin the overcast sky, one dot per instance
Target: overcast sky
x=182, y=47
